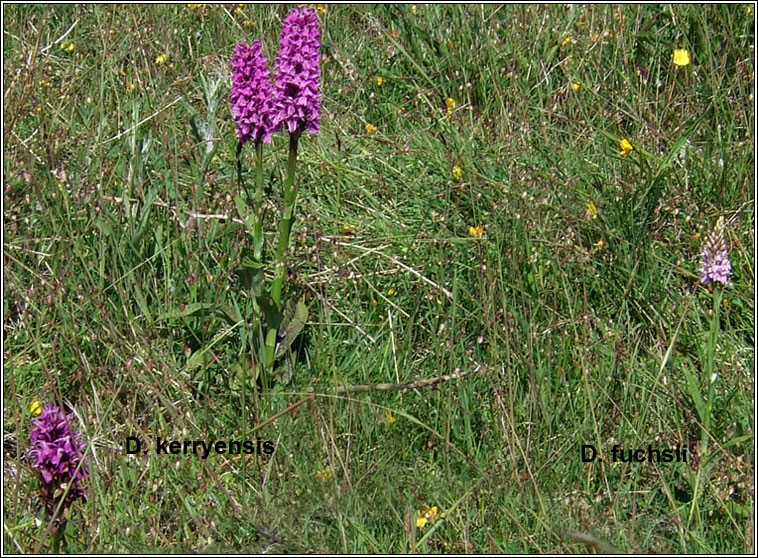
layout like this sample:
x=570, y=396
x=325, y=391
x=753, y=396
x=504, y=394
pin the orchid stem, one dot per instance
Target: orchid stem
x=58, y=538
x=258, y=203
x=285, y=227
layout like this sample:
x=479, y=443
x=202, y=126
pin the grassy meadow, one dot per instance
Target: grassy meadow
x=466, y=216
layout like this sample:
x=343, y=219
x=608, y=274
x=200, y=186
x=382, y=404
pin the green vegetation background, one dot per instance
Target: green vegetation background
x=577, y=311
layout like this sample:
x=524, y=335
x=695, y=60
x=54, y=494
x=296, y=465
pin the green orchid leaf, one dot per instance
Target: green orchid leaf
x=293, y=323
x=271, y=313
x=252, y=276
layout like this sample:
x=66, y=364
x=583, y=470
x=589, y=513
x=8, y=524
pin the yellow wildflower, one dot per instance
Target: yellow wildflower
x=321, y=8
x=130, y=86
x=325, y=474
x=425, y=515
x=379, y=81
x=161, y=59
x=389, y=418
x=390, y=292
x=626, y=147
x=68, y=46
x=370, y=128
x=414, y=11
x=599, y=244
x=450, y=103
x=35, y=408
x=681, y=57
x=566, y=41
x=477, y=231
x=400, y=110
x=576, y=86
x=591, y=210
x=457, y=173
x=199, y=9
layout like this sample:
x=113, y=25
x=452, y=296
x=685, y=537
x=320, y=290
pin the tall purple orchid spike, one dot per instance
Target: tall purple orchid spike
x=55, y=453
x=715, y=266
x=297, y=90
x=251, y=93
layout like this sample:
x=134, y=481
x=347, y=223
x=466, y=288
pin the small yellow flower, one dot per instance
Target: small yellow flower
x=130, y=86
x=450, y=104
x=595, y=36
x=457, y=173
x=576, y=86
x=370, y=128
x=626, y=147
x=599, y=244
x=325, y=474
x=414, y=11
x=390, y=292
x=591, y=210
x=681, y=57
x=400, y=110
x=348, y=229
x=477, y=231
x=161, y=59
x=379, y=81
x=68, y=46
x=35, y=408
x=425, y=515
x=566, y=41
x=389, y=418
x=321, y=8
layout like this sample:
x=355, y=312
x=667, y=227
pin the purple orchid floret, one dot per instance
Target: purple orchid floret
x=297, y=91
x=55, y=454
x=251, y=94
x=715, y=266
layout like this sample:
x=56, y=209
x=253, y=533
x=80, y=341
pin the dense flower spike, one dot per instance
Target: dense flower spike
x=55, y=453
x=715, y=266
x=251, y=94
x=298, y=79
